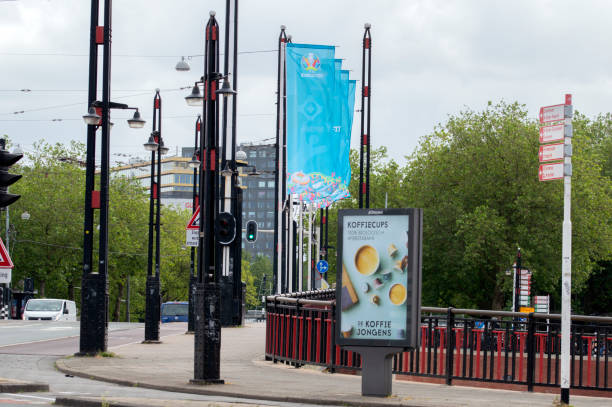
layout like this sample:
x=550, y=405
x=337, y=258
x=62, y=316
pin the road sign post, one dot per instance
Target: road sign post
x=561, y=170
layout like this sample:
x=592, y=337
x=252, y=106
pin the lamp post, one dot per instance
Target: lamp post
x=94, y=298
x=207, y=344
x=152, y=296
x=195, y=164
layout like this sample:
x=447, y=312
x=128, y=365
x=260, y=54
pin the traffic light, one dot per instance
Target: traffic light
x=6, y=179
x=225, y=228
x=251, y=231
x=28, y=285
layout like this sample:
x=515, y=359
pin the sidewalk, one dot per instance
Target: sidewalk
x=169, y=366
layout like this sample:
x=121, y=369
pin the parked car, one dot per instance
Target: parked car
x=49, y=309
x=175, y=311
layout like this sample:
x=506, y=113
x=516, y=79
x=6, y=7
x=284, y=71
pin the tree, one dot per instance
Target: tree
x=476, y=178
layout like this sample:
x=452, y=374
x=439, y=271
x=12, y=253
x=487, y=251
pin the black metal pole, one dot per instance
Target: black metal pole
x=237, y=255
x=278, y=201
x=87, y=344
x=102, y=286
x=207, y=345
x=152, y=298
x=364, y=144
x=368, y=45
x=192, y=273
x=326, y=224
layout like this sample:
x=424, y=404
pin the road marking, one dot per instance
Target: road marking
x=31, y=397
x=41, y=340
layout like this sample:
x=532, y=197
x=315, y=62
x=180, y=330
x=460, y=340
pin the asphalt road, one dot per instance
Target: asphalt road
x=28, y=350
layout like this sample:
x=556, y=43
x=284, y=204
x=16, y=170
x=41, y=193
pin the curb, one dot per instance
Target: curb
x=22, y=387
x=84, y=402
x=209, y=392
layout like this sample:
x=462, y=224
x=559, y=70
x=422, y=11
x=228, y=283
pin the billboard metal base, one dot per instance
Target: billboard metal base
x=376, y=377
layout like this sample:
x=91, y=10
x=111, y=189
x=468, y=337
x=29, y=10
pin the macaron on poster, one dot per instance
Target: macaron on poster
x=374, y=282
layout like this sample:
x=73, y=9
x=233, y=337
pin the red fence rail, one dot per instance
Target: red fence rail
x=482, y=345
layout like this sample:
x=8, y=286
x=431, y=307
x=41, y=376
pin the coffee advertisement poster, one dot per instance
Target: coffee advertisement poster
x=378, y=288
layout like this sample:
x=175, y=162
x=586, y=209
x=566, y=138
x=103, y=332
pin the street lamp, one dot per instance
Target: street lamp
x=207, y=341
x=195, y=98
x=94, y=299
x=182, y=65
x=151, y=144
x=92, y=118
x=155, y=144
x=136, y=122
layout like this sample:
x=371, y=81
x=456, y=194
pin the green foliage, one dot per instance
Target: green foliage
x=476, y=178
x=49, y=246
x=253, y=272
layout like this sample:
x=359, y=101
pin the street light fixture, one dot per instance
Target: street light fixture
x=194, y=163
x=136, y=122
x=182, y=65
x=92, y=118
x=151, y=145
x=162, y=148
x=195, y=98
x=226, y=89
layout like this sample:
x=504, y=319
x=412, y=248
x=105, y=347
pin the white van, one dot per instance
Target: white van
x=49, y=309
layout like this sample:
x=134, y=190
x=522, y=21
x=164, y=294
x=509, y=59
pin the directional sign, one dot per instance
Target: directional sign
x=551, y=152
x=194, y=222
x=5, y=260
x=552, y=113
x=549, y=172
x=549, y=134
x=541, y=299
x=322, y=266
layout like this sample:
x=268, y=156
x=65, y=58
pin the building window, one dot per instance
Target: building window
x=262, y=153
x=261, y=184
x=253, y=153
x=270, y=184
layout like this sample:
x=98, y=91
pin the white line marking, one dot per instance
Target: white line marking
x=32, y=397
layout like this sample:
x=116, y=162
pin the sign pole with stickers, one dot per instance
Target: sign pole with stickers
x=378, y=294
x=561, y=131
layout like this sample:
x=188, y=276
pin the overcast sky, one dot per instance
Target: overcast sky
x=430, y=59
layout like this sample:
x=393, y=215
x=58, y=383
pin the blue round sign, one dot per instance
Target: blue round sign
x=322, y=266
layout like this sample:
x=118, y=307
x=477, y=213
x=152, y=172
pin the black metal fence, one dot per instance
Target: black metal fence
x=481, y=345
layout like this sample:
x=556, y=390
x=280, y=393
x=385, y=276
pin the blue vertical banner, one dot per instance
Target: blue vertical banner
x=317, y=170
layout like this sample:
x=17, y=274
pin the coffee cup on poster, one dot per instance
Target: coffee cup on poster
x=367, y=260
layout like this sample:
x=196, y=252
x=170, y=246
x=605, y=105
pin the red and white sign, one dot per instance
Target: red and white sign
x=194, y=223
x=551, y=152
x=5, y=259
x=549, y=134
x=549, y=172
x=553, y=113
x=540, y=299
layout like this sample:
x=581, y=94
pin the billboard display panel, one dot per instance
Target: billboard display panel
x=379, y=277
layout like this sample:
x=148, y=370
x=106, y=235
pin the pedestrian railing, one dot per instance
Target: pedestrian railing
x=481, y=345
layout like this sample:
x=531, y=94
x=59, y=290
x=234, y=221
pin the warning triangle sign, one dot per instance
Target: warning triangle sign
x=5, y=260
x=194, y=223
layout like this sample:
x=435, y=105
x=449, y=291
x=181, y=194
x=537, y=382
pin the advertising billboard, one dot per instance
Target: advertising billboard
x=378, y=286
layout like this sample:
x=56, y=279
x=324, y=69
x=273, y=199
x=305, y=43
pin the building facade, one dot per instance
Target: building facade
x=258, y=197
x=176, y=177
